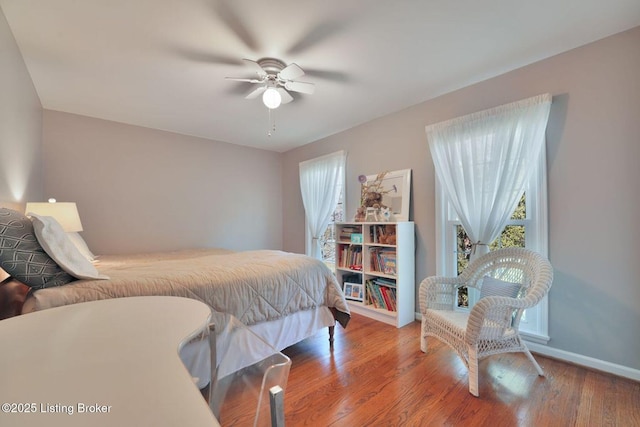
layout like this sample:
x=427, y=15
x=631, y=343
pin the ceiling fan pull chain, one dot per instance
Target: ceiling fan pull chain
x=272, y=123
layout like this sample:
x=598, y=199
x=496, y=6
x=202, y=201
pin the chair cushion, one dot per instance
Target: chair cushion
x=454, y=322
x=498, y=288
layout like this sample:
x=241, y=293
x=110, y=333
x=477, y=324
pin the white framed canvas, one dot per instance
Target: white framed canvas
x=396, y=192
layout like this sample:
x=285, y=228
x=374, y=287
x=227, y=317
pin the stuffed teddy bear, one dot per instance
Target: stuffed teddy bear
x=389, y=236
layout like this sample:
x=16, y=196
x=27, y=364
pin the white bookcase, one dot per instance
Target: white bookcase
x=378, y=275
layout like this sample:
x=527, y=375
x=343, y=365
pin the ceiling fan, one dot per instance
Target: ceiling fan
x=276, y=79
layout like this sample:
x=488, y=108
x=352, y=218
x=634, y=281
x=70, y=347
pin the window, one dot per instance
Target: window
x=513, y=235
x=328, y=239
x=484, y=163
x=321, y=187
x=527, y=227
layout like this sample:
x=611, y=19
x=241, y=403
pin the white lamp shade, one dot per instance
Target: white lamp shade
x=66, y=213
x=271, y=98
x=11, y=205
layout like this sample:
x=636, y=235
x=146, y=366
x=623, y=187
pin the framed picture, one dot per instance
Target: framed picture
x=347, y=289
x=354, y=291
x=395, y=188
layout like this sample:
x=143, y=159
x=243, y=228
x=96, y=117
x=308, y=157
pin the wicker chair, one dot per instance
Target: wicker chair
x=491, y=326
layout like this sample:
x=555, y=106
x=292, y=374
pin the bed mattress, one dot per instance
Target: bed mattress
x=253, y=286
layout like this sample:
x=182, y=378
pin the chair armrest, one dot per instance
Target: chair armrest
x=438, y=293
x=493, y=313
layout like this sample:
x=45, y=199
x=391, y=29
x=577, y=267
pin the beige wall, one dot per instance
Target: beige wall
x=593, y=149
x=20, y=126
x=140, y=189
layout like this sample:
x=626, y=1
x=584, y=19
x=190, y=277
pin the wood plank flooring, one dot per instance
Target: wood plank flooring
x=376, y=375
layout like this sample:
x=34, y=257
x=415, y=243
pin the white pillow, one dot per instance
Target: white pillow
x=58, y=246
x=81, y=245
x=498, y=288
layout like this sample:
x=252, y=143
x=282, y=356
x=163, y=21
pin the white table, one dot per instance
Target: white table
x=113, y=362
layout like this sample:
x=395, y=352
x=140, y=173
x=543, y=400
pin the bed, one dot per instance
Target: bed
x=281, y=297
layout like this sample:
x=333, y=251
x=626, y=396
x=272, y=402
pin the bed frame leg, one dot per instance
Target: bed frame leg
x=331, y=332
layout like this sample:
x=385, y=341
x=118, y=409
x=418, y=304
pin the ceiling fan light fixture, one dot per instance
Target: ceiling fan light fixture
x=271, y=98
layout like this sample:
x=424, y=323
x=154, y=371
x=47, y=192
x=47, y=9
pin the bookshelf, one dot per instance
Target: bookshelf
x=375, y=266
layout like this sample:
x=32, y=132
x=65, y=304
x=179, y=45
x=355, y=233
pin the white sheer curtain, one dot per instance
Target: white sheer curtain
x=483, y=162
x=320, y=182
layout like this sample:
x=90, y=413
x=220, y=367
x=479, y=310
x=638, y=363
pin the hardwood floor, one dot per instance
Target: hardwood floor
x=377, y=375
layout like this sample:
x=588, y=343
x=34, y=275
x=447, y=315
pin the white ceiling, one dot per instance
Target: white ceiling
x=162, y=63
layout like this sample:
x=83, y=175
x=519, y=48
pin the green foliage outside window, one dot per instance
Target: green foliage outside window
x=511, y=236
x=328, y=239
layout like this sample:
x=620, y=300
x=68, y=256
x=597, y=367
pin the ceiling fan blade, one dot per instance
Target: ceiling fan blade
x=286, y=97
x=230, y=16
x=291, y=72
x=256, y=92
x=202, y=56
x=336, y=76
x=256, y=67
x=244, y=80
x=302, y=87
x=323, y=30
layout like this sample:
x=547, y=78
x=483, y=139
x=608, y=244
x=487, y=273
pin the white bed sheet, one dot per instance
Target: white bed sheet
x=239, y=346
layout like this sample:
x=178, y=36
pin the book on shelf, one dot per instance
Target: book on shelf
x=388, y=263
x=381, y=295
x=371, y=295
x=390, y=283
x=383, y=260
x=387, y=298
x=351, y=257
x=346, y=232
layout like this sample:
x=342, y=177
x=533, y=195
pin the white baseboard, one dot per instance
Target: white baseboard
x=589, y=362
x=578, y=359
